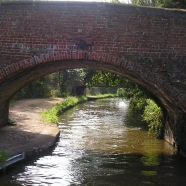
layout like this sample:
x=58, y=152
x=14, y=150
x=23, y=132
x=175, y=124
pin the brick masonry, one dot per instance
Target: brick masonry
x=146, y=45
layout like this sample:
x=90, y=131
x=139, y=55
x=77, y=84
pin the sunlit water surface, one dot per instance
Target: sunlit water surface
x=103, y=143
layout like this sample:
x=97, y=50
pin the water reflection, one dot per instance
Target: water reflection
x=100, y=147
x=150, y=160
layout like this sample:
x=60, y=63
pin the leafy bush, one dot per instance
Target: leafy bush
x=55, y=93
x=153, y=115
x=136, y=96
x=36, y=89
x=122, y=92
x=138, y=104
x=151, y=112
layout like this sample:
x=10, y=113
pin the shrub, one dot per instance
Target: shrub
x=121, y=92
x=138, y=104
x=153, y=115
x=55, y=93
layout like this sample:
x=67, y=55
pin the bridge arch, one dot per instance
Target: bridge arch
x=146, y=45
x=24, y=72
x=52, y=63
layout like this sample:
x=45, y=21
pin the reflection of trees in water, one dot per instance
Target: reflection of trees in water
x=150, y=159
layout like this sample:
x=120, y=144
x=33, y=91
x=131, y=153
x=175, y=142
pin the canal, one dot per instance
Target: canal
x=102, y=143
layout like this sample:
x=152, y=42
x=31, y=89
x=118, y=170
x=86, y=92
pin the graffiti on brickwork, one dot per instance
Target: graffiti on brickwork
x=36, y=49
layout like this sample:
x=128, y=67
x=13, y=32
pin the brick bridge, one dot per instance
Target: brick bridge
x=145, y=45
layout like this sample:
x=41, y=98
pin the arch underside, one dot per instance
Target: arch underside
x=135, y=42
x=17, y=80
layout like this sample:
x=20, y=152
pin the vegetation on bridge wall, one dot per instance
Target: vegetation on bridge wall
x=153, y=115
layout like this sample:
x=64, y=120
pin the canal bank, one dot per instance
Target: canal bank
x=31, y=135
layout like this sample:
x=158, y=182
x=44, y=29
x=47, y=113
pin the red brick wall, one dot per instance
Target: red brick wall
x=147, y=45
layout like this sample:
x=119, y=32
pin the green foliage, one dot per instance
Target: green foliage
x=137, y=96
x=101, y=90
x=172, y=3
x=94, y=78
x=144, y=2
x=161, y=3
x=153, y=115
x=37, y=89
x=167, y=3
x=53, y=85
x=67, y=79
x=51, y=115
x=122, y=92
x=55, y=93
x=117, y=1
x=140, y=100
x=138, y=103
x=105, y=96
x=3, y=157
x=11, y=122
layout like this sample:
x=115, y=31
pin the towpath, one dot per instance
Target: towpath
x=31, y=134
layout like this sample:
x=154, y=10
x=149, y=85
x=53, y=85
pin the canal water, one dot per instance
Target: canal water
x=103, y=143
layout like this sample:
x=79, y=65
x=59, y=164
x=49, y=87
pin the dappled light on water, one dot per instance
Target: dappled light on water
x=123, y=104
x=102, y=143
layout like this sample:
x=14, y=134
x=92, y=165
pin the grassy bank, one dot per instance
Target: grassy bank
x=51, y=115
x=100, y=96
